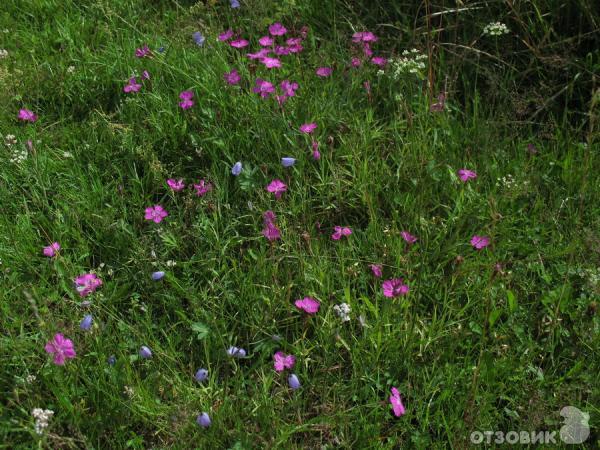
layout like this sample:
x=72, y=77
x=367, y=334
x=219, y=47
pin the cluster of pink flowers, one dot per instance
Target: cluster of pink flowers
x=178, y=185
x=133, y=85
x=273, y=46
x=364, y=39
x=269, y=55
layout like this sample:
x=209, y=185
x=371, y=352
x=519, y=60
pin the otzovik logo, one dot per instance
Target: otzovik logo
x=575, y=430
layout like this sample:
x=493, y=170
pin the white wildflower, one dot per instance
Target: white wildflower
x=42, y=417
x=343, y=311
x=128, y=390
x=495, y=29
x=18, y=155
x=10, y=139
x=412, y=61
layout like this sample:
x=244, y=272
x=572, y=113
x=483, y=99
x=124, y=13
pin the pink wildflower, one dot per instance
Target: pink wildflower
x=87, y=283
x=202, y=188
x=295, y=48
x=277, y=187
x=480, y=242
x=239, y=43
x=396, y=402
x=289, y=88
x=308, y=304
x=377, y=270
x=364, y=36
x=394, y=287
x=355, y=62
x=283, y=361
x=62, y=349
x=308, y=128
x=266, y=41
x=324, y=71
x=316, y=154
x=282, y=50
x=176, y=185
x=27, y=116
x=271, y=232
x=271, y=63
x=51, y=250
x=409, y=238
x=232, y=77
x=277, y=29
x=187, y=102
x=262, y=53
x=142, y=52
x=155, y=213
x=225, y=36
x=466, y=174
x=263, y=87
x=339, y=232
x=132, y=86
x=379, y=61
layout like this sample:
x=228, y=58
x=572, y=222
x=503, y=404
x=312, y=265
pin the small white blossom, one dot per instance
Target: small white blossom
x=128, y=390
x=42, y=417
x=18, y=155
x=70, y=69
x=10, y=139
x=412, y=61
x=343, y=311
x=3, y=53
x=495, y=29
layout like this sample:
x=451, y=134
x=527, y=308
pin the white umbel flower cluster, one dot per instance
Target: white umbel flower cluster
x=495, y=29
x=18, y=155
x=411, y=61
x=343, y=311
x=42, y=417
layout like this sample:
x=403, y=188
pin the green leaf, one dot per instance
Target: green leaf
x=512, y=301
x=200, y=329
x=494, y=316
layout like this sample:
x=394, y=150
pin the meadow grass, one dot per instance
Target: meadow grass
x=496, y=339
